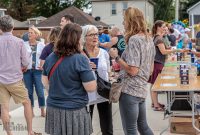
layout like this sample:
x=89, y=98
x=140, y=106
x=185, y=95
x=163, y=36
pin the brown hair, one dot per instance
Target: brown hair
x=68, y=40
x=157, y=24
x=53, y=35
x=69, y=17
x=135, y=22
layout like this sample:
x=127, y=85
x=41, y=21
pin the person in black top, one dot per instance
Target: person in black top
x=117, y=41
x=48, y=49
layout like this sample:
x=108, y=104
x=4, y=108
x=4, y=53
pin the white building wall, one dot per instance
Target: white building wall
x=103, y=10
x=195, y=10
x=150, y=15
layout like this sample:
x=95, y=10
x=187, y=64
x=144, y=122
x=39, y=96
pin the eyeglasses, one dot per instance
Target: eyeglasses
x=93, y=35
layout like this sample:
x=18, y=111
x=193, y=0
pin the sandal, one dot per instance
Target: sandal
x=161, y=105
x=158, y=109
x=35, y=133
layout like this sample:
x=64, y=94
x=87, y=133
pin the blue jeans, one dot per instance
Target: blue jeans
x=133, y=115
x=34, y=78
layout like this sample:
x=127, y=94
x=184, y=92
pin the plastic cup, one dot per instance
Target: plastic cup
x=95, y=61
x=192, y=59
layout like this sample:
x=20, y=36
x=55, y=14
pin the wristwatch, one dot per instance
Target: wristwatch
x=117, y=58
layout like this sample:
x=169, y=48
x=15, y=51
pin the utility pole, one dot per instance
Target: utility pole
x=176, y=10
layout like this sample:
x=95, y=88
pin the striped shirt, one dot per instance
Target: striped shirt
x=138, y=53
x=13, y=56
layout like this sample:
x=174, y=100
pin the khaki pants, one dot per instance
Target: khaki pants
x=16, y=90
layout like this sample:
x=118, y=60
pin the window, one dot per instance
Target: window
x=125, y=5
x=113, y=11
x=1, y=13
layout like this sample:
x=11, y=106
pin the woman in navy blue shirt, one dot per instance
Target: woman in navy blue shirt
x=48, y=49
x=68, y=86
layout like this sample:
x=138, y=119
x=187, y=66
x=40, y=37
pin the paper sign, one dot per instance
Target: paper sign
x=167, y=77
x=168, y=84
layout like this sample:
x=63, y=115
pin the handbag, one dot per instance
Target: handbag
x=115, y=91
x=103, y=87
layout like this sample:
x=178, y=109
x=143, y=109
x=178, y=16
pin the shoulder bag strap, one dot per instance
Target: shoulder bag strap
x=55, y=66
x=86, y=52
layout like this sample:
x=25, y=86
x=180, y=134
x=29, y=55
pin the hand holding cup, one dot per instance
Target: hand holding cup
x=94, y=63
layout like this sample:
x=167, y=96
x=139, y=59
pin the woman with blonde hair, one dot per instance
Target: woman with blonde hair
x=136, y=62
x=32, y=76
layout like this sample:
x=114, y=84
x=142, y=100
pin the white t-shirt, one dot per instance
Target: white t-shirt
x=176, y=33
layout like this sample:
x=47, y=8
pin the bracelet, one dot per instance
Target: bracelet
x=117, y=58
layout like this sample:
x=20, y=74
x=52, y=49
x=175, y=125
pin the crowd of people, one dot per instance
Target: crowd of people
x=63, y=68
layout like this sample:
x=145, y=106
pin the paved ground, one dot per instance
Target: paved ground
x=155, y=120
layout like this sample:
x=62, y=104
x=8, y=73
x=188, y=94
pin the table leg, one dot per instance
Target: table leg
x=168, y=109
x=193, y=114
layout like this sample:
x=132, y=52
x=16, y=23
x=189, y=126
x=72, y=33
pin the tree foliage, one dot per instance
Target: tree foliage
x=49, y=7
x=23, y=9
x=19, y=9
x=164, y=10
x=184, y=6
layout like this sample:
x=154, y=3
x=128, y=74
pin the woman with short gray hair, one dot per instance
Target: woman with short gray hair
x=90, y=42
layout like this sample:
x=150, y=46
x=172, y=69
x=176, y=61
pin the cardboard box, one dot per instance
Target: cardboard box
x=183, y=125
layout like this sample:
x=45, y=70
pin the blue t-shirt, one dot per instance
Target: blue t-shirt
x=66, y=90
x=104, y=38
x=48, y=49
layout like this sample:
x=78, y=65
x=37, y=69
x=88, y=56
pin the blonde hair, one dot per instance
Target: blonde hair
x=36, y=30
x=135, y=23
x=114, y=31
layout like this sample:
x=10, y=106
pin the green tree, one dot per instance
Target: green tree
x=184, y=6
x=49, y=7
x=20, y=9
x=164, y=10
x=23, y=9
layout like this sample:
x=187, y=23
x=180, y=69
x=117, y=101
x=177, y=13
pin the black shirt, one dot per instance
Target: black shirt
x=120, y=45
x=160, y=58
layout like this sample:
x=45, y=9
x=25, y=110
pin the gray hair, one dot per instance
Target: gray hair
x=6, y=23
x=85, y=30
